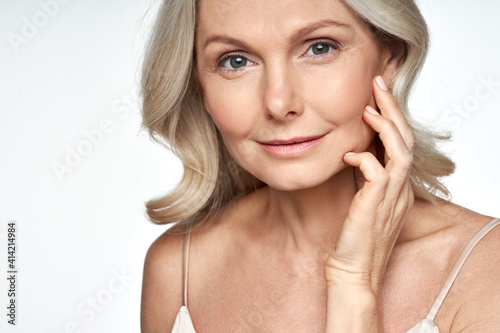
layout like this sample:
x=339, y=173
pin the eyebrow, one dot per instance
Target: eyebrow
x=299, y=34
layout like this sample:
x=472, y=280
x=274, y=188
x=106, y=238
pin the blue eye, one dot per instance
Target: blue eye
x=319, y=49
x=235, y=62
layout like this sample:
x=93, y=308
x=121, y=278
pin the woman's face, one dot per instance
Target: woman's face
x=286, y=82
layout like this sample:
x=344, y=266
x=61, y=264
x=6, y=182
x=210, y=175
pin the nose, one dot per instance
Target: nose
x=282, y=99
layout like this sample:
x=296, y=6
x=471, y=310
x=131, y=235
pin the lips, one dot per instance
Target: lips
x=292, y=146
x=292, y=141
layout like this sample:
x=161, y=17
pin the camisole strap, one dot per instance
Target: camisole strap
x=458, y=265
x=185, y=265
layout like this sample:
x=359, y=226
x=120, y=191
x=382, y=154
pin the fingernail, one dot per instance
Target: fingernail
x=349, y=153
x=381, y=83
x=371, y=110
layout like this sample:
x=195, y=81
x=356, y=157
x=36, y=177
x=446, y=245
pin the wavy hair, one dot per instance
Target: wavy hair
x=174, y=115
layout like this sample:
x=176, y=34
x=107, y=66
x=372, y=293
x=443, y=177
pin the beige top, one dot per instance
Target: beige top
x=184, y=324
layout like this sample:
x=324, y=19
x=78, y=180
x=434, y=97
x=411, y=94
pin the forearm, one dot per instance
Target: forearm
x=350, y=310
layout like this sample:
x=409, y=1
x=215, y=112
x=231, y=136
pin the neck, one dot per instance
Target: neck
x=310, y=220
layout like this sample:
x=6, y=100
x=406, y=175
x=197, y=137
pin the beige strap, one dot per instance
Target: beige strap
x=458, y=265
x=185, y=264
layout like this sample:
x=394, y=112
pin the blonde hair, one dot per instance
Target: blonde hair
x=174, y=115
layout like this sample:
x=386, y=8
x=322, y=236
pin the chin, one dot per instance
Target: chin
x=296, y=180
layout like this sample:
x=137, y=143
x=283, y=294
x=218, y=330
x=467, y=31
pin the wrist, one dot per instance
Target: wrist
x=363, y=282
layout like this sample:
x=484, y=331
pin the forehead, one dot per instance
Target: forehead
x=263, y=17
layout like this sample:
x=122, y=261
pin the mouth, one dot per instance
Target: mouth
x=291, y=146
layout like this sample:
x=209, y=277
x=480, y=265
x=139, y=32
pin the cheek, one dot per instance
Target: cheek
x=229, y=111
x=340, y=100
x=235, y=116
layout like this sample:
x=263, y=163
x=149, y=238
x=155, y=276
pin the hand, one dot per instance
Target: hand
x=356, y=267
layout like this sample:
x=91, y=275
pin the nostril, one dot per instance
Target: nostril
x=282, y=97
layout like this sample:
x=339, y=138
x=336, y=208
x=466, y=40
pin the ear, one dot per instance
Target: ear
x=394, y=56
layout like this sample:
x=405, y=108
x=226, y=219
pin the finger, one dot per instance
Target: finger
x=374, y=173
x=389, y=107
x=368, y=170
x=395, y=147
x=359, y=179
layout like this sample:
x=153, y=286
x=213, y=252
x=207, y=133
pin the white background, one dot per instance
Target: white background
x=79, y=230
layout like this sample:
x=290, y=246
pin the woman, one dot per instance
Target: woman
x=309, y=199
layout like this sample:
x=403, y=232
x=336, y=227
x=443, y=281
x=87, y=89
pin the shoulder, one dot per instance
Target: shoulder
x=212, y=244
x=478, y=288
x=440, y=233
x=474, y=298
x=162, y=283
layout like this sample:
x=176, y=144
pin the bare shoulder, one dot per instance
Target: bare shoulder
x=432, y=244
x=478, y=288
x=162, y=283
x=212, y=244
x=474, y=299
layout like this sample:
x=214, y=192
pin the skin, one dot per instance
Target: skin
x=335, y=242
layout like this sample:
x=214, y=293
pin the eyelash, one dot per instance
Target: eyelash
x=332, y=44
x=221, y=62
